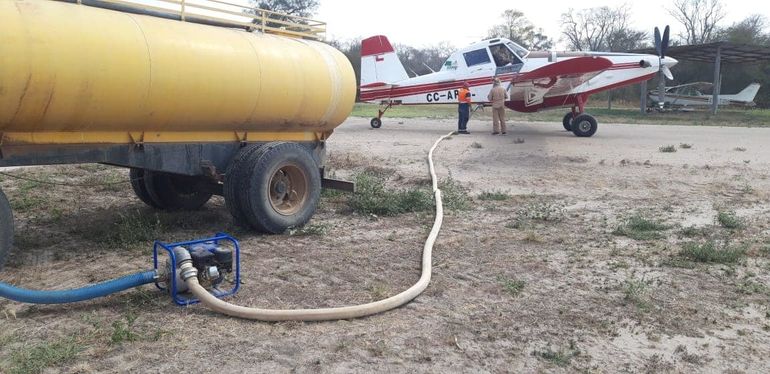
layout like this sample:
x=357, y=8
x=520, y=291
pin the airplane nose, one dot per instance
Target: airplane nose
x=669, y=62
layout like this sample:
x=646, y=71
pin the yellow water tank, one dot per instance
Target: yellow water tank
x=79, y=74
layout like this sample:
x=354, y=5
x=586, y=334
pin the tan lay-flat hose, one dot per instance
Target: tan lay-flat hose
x=326, y=314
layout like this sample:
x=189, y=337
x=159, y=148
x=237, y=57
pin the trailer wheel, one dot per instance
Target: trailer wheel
x=6, y=229
x=140, y=189
x=283, y=186
x=174, y=191
x=235, y=182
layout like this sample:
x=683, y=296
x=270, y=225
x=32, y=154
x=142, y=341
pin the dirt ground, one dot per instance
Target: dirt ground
x=538, y=274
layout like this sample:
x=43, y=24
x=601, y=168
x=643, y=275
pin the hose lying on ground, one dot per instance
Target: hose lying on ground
x=74, y=295
x=325, y=314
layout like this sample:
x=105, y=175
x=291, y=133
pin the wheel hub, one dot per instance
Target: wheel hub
x=584, y=126
x=288, y=190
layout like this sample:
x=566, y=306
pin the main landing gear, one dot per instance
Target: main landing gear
x=581, y=124
x=376, y=122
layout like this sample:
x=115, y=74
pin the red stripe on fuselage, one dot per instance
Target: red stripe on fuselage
x=417, y=89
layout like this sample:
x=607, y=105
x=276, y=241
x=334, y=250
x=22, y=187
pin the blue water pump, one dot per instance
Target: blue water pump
x=217, y=259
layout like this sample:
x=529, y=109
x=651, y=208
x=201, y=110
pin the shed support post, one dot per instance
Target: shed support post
x=643, y=97
x=717, y=81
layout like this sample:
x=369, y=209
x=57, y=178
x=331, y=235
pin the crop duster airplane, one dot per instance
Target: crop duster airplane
x=535, y=80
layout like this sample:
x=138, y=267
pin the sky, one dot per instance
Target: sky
x=422, y=23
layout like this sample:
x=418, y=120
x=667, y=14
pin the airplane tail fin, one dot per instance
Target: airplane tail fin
x=379, y=63
x=748, y=93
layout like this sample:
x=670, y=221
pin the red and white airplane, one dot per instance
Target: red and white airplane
x=535, y=80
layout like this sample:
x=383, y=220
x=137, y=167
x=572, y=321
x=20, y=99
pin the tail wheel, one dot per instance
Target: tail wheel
x=376, y=123
x=174, y=191
x=567, y=121
x=584, y=126
x=281, y=187
x=6, y=229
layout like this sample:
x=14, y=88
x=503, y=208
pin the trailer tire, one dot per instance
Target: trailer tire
x=140, y=189
x=175, y=191
x=6, y=229
x=283, y=187
x=234, y=183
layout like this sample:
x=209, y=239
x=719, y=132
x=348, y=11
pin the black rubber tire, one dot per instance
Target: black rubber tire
x=6, y=229
x=140, y=189
x=174, y=191
x=567, y=121
x=584, y=126
x=233, y=185
x=376, y=123
x=255, y=197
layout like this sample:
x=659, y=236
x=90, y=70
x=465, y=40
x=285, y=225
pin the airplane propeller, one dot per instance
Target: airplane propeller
x=661, y=46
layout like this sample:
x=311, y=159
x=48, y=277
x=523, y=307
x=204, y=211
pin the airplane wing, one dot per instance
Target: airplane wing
x=557, y=78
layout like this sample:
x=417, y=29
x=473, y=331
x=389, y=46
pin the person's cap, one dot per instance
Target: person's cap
x=497, y=81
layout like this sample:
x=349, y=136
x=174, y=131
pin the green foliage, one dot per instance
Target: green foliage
x=35, y=359
x=124, y=331
x=709, y=252
x=640, y=228
x=561, y=357
x=308, y=230
x=668, y=149
x=512, y=286
x=494, y=196
x=636, y=291
x=454, y=195
x=373, y=197
x=729, y=220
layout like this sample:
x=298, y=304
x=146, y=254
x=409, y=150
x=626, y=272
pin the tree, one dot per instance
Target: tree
x=519, y=29
x=300, y=8
x=601, y=29
x=700, y=19
x=418, y=61
x=752, y=30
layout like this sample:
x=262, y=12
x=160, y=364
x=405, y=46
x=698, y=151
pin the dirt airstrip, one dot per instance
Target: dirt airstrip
x=606, y=254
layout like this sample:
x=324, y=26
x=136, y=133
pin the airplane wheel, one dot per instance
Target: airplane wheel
x=567, y=121
x=584, y=126
x=376, y=123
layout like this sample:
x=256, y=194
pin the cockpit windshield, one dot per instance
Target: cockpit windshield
x=503, y=56
x=519, y=50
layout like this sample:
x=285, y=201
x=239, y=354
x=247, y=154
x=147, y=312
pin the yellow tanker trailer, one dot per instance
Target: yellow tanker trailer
x=196, y=98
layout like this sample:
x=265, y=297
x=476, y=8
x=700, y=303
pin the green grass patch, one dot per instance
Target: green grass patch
x=636, y=292
x=641, y=228
x=36, y=358
x=693, y=232
x=494, y=196
x=124, y=331
x=559, y=357
x=709, y=252
x=373, y=197
x=454, y=195
x=512, y=286
x=309, y=230
x=667, y=149
x=27, y=202
x=729, y=220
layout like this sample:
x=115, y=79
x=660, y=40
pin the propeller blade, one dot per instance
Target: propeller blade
x=667, y=72
x=657, y=40
x=664, y=43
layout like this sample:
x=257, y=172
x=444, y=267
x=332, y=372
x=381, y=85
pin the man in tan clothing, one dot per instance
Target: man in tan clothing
x=498, y=95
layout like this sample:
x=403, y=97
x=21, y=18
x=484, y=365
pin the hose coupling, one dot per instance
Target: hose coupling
x=185, y=264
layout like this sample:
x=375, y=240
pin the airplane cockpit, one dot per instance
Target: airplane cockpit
x=500, y=54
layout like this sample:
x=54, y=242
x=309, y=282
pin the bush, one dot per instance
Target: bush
x=708, y=253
